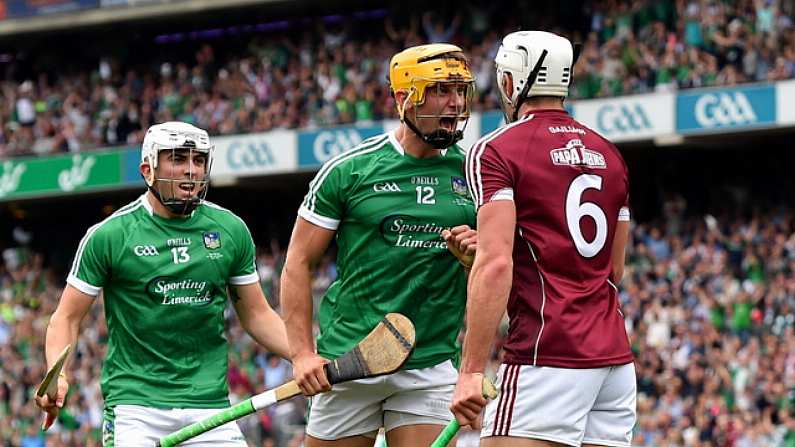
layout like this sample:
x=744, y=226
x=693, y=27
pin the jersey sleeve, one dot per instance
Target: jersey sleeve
x=244, y=268
x=323, y=204
x=624, y=211
x=489, y=176
x=92, y=261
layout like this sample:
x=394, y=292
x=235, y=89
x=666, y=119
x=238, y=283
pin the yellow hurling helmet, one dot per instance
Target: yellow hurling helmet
x=415, y=69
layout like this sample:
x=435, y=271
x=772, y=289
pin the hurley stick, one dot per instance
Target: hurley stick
x=385, y=349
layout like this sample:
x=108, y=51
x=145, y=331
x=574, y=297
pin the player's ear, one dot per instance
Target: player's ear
x=401, y=101
x=146, y=172
x=506, y=84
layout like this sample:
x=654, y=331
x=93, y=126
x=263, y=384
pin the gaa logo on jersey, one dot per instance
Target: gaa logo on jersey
x=145, y=250
x=459, y=186
x=212, y=239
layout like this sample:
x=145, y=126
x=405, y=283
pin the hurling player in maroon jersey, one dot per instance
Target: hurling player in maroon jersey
x=553, y=222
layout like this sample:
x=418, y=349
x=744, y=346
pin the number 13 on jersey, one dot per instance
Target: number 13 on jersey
x=180, y=255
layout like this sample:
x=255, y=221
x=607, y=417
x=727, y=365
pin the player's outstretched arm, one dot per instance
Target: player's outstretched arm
x=489, y=287
x=259, y=319
x=618, y=251
x=62, y=330
x=307, y=246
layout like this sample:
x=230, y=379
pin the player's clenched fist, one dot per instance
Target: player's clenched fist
x=468, y=400
x=309, y=373
x=462, y=241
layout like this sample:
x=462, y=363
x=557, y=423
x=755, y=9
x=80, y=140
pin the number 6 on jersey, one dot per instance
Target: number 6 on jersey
x=576, y=211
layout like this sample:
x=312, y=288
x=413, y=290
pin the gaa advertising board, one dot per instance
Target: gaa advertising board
x=254, y=154
x=63, y=174
x=726, y=109
x=785, y=113
x=629, y=118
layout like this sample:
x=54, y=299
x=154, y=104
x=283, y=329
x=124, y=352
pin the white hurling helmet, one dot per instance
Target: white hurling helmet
x=176, y=135
x=540, y=64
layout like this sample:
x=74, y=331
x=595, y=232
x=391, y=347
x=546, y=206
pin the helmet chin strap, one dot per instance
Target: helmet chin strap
x=179, y=207
x=439, y=138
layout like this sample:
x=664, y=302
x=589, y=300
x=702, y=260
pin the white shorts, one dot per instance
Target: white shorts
x=138, y=426
x=361, y=407
x=568, y=406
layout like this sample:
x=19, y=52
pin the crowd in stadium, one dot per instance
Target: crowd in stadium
x=708, y=301
x=708, y=305
x=333, y=72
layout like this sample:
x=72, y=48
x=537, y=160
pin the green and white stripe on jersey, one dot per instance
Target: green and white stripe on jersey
x=72, y=278
x=308, y=207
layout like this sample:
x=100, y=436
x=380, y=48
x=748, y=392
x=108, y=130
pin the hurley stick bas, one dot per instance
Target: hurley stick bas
x=49, y=385
x=384, y=350
x=444, y=438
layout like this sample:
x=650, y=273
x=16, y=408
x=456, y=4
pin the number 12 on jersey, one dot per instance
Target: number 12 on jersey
x=425, y=195
x=180, y=255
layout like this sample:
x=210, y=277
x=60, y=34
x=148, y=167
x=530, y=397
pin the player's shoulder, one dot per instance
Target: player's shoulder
x=595, y=135
x=603, y=142
x=120, y=220
x=226, y=217
x=362, y=153
x=502, y=136
x=457, y=152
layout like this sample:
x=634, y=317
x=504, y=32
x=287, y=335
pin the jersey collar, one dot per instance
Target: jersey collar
x=399, y=147
x=148, y=206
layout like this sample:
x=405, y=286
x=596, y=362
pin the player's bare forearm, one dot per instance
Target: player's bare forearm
x=64, y=325
x=489, y=287
x=260, y=320
x=296, y=300
x=60, y=332
x=308, y=243
x=268, y=330
x=489, y=282
x=618, y=251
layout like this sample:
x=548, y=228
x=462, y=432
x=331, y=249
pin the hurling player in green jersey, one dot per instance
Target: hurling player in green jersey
x=400, y=211
x=165, y=264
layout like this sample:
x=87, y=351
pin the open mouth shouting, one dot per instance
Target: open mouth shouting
x=187, y=188
x=447, y=123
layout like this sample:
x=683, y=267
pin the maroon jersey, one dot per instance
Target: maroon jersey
x=570, y=188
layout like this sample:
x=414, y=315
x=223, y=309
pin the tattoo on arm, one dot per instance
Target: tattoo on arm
x=233, y=295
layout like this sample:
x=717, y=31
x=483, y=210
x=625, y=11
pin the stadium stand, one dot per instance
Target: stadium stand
x=332, y=70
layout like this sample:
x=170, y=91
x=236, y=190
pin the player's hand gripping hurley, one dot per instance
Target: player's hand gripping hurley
x=49, y=385
x=385, y=349
x=444, y=438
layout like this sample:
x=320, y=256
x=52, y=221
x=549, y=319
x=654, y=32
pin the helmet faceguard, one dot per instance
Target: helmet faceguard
x=177, y=184
x=438, y=70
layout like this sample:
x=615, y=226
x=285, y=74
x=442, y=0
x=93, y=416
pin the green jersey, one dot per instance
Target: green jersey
x=388, y=209
x=165, y=284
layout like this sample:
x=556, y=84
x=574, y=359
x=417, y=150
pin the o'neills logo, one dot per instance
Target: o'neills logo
x=411, y=232
x=168, y=290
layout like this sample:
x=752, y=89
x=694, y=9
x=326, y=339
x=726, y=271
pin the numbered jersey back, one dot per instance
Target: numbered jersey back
x=570, y=189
